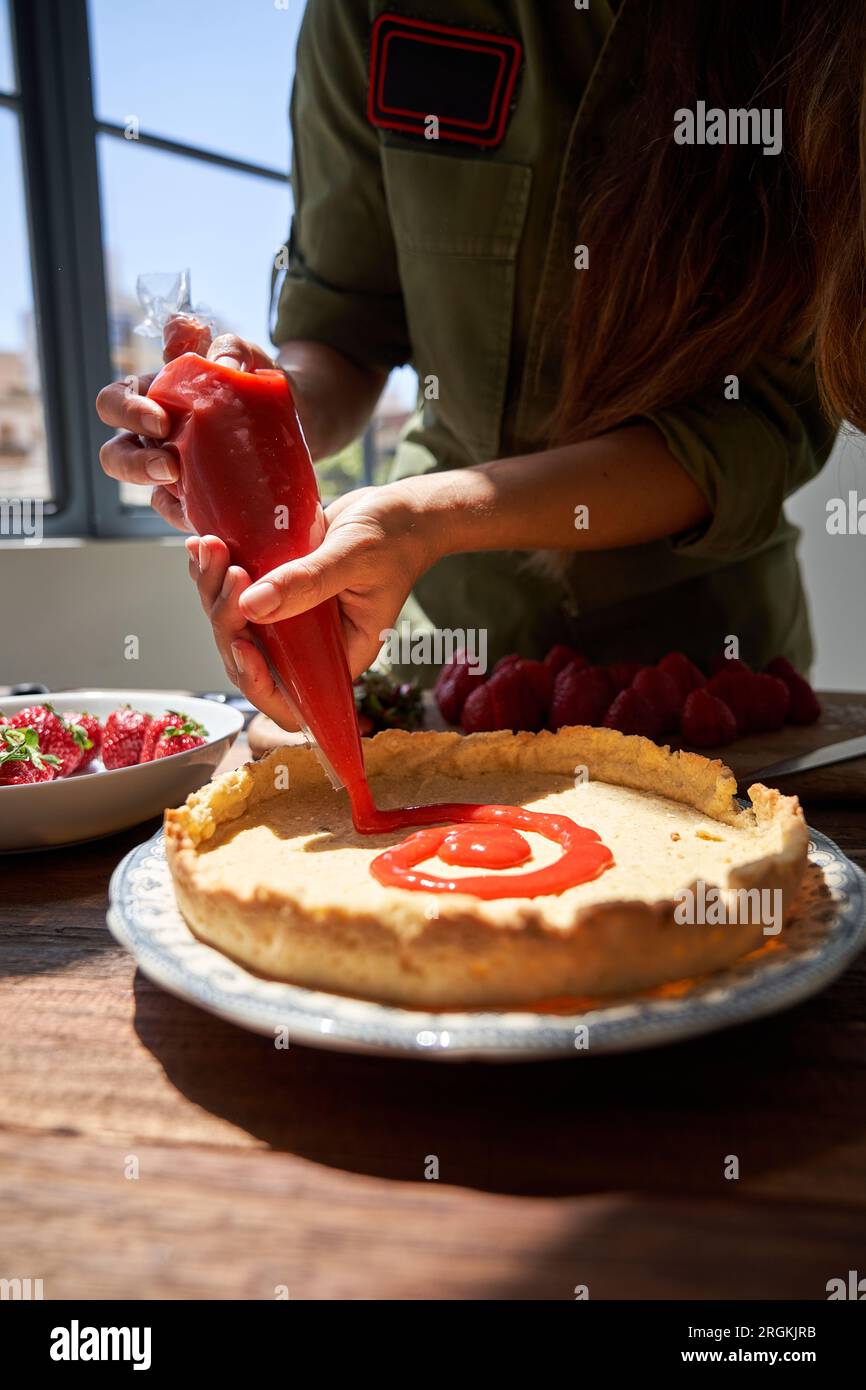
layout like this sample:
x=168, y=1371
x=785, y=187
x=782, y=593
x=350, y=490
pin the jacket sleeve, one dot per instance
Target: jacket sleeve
x=342, y=285
x=748, y=455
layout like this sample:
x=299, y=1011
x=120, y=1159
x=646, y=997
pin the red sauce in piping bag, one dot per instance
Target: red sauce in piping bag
x=246, y=476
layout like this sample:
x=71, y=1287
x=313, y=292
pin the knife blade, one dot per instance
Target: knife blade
x=841, y=752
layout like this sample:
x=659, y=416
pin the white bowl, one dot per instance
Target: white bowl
x=89, y=804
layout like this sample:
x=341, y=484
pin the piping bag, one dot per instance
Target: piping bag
x=246, y=476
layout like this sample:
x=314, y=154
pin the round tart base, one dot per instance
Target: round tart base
x=268, y=868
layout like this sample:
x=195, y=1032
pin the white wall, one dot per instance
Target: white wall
x=67, y=607
x=835, y=569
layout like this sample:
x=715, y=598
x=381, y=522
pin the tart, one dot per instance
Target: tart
x=268, y=868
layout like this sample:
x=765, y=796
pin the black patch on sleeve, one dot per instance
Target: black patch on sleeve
x=463, y=77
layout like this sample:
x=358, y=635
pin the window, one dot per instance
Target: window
x=175, y=155
x=24, y=469
x=191, y=162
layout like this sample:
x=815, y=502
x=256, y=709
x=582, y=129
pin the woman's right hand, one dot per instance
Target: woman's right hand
x=125, y=406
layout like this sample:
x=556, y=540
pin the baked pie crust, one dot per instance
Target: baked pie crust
x=268, y=869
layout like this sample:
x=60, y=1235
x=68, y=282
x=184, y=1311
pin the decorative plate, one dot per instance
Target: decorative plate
x=826, y=931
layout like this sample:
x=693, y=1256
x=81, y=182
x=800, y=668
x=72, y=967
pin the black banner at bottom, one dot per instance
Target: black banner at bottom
x=225, y=1338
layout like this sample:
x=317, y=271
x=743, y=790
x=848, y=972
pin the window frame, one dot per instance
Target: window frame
x=59, y=129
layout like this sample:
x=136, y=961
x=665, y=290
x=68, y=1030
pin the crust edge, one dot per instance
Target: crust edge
x=459, y=959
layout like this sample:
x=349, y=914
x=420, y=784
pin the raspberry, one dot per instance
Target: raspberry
x=580, y=696
x=781, y=667
x=707, y=722
x=662, y=692
x=505, y=661
x=686, y=674
x=632, y=714
x=541, y=679
x=768, y=703
x=729, y=663
x=622, y=673
x=759, y=703
x=804, y=706
x=561, y=656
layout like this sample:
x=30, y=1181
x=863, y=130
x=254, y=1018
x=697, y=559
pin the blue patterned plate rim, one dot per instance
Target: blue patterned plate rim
x=826, y=932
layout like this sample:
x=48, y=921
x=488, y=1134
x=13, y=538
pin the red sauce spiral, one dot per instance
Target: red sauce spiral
x=487, y=836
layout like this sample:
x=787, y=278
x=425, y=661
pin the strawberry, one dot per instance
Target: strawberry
x=179, y=736
x=768, y=703
x=759, y=703
x=505, y=661
x=507, y=701
x=455, y=681
x=729, y=663
x=66, y=742
x=561, y=656
x=735, y=689
x=170, y=720
x=683, y=671
x=581, y=694
x=541, y=679
x=22, y=760
x=781, y=667
x=662, y=692
x=804, y=707
x=632, y=714
x=707, y=722
x=123, y=736
x=622, y=673
x=93, y=729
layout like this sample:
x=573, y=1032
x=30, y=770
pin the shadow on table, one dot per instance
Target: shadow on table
x=774, y=1093
x=53, y=902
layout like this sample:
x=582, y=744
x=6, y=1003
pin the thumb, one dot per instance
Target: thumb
x=302, y=584
x=232, y=351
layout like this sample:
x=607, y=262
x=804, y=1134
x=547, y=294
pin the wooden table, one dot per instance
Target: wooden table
x=259, y=1168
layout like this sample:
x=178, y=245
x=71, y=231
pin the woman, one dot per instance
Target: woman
x=616, y=333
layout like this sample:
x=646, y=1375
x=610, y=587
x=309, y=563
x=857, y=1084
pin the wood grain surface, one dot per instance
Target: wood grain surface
x=260, y=1168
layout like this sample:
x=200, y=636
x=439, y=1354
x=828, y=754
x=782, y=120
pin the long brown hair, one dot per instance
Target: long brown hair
x=704, y=258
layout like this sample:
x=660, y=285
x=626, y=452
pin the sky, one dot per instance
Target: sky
x=212, y=73
x=215, y=74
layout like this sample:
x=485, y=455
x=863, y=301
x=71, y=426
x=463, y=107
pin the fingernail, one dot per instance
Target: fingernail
x=228, y=584
x=203, y=558
x=261, y=599
x=238, y=656
x=160, y=472
x=228, y=362
x=154, y=423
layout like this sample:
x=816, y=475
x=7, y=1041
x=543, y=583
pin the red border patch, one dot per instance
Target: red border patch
x=484, y=88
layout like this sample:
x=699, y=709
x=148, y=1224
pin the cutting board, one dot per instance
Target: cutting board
x=844, y=716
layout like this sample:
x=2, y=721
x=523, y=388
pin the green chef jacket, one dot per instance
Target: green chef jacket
x=460, y=260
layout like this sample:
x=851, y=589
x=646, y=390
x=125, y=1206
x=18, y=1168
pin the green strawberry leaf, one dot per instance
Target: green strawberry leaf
x=80, y=736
